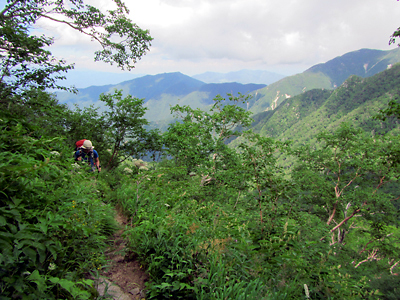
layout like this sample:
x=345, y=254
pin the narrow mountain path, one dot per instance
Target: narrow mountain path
x=124, y=279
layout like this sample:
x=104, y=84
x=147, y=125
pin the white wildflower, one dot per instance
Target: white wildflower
x=127, y=170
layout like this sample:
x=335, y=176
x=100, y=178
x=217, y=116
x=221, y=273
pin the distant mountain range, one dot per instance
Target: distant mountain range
x=163, y=90
x=329, y=75
x=300, y=118
x=160, y=92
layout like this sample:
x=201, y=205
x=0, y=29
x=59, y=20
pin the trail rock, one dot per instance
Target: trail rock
x=107, y=288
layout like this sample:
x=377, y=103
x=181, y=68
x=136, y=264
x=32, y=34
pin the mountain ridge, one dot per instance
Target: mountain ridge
x=356, y=101
x=327, y=75
x=167, y=89
x=160, y=92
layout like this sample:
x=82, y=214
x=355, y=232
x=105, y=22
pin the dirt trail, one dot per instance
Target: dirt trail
x=126, y=278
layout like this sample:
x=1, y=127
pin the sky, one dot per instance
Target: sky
x=196, y=36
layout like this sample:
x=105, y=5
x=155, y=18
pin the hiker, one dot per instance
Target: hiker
x=87, y=153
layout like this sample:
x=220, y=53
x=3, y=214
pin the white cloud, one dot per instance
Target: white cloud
x=193, y=36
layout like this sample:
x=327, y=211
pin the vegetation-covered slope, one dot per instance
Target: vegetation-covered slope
x=329, y=75
x=273, y=95
x=357, y=101
x=363, y=63
x=290, y=112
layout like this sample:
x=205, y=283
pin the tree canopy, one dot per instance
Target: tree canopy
x=25, y=61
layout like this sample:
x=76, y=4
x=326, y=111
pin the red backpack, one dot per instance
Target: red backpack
x=79, y=144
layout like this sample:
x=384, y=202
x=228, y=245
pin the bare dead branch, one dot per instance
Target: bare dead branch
x=392, y=267
x=345, y=219
x=365, y=247
x=372, y=256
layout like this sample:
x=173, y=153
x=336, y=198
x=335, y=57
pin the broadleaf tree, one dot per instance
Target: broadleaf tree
x=25, y=61
x=198, y=139
x=344, y=179
x=261, y=173
x=125, y=130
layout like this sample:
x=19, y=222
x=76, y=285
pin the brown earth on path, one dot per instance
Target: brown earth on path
x=124, y=271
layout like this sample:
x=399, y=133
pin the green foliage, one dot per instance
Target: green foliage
x=300, y=118
x=220, y=223
x=352, y=170
x=53, y=228
x=25, y=63
x=207, y=241
x=342, y=181
x=260, y=172
x=24, y=60
x=199, y=139
x=393, y=109
x=125, y=128
x=290, y=112
x=387, y=285
x=210, y=221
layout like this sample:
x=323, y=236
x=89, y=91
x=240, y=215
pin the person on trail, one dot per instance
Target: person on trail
x=87, y=153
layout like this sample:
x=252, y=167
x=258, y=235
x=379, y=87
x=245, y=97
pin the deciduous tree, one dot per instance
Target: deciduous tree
x=25, y=61
x=199, y=137
x=343, y=180
x=124, y=128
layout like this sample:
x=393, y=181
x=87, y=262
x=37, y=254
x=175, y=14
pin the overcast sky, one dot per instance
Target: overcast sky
x=282, y=36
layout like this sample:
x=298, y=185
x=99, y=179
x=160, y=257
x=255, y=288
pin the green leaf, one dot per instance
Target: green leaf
x=30, y=253
x=39, y=280
x=66, y=284
x=165, y=285
x=54, y=280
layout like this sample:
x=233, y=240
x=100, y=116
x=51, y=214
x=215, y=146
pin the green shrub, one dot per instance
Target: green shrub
x=53, y=226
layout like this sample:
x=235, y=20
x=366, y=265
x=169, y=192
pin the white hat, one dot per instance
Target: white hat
x=87, y=145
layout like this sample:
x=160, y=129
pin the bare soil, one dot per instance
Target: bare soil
x=124, y=271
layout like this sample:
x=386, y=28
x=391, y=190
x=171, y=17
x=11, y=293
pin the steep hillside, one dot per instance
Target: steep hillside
x=271, y=96
x=163, y=90
x=363, y=63
x=290, y=112
x=357, y=100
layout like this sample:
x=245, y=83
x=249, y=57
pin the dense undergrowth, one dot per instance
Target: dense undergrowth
x=207, y=242
x=209, y=222
x=54, y=226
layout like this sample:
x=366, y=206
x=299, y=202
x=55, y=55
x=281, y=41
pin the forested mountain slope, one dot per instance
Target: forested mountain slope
x=356, y=101
x=363, y=63
x=163, y=90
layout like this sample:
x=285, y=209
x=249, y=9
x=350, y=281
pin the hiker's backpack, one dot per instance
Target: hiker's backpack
x=79, y=144
x=78, y=147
